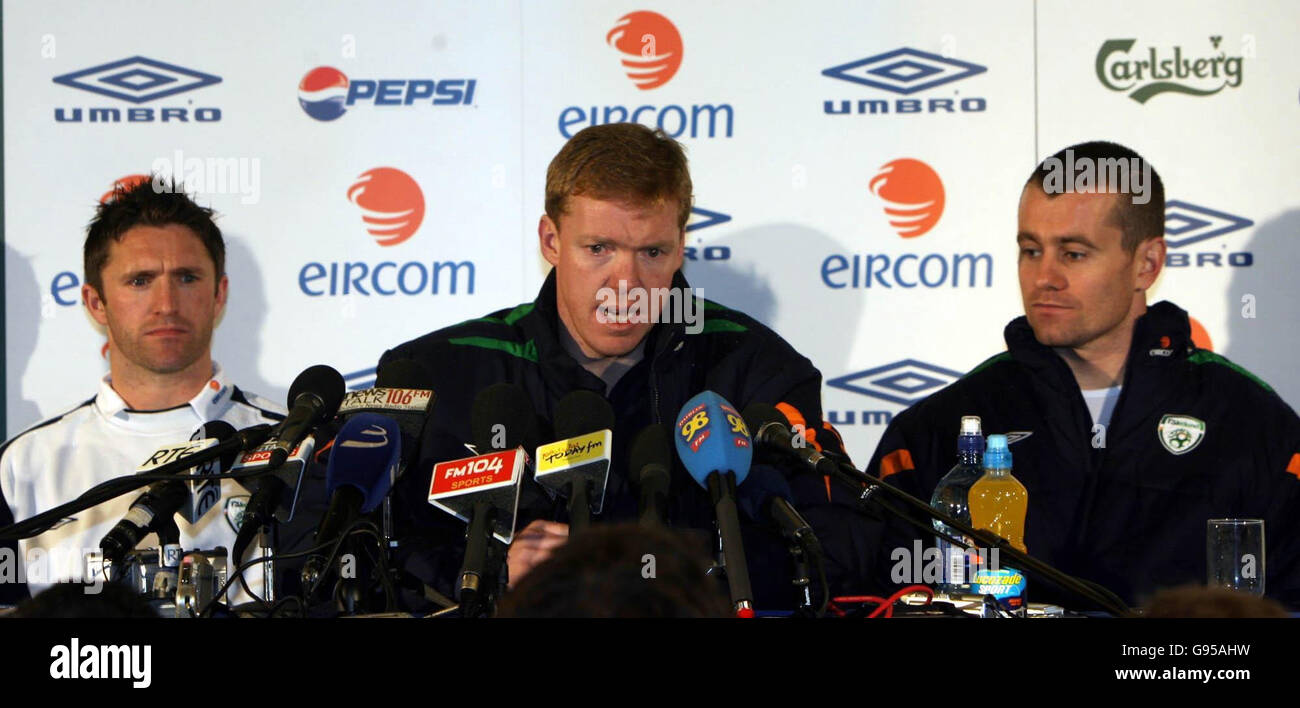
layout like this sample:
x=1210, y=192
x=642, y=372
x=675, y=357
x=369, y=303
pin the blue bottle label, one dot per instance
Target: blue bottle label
x=1005, y=584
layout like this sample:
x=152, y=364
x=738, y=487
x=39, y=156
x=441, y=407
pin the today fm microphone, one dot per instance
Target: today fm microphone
x=577, y=465
x=714, y=445
x=190, y=497
x=483, y=490
x=313, y=398
x=651, y=465
x=362, y=467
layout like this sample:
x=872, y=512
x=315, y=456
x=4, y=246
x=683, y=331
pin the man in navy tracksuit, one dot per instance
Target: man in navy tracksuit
x=1138, y=436
x=618, y=198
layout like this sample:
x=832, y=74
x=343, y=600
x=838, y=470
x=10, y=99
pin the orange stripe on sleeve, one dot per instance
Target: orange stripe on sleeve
x=793, y=415
x=895, y=462
x=1294, y=466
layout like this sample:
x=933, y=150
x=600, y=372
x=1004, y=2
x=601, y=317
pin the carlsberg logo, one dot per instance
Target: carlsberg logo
x=1149, y=71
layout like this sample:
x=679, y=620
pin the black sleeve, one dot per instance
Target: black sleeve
x=1276, y=491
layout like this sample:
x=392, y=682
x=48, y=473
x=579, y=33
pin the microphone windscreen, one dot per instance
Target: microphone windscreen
x=323, y=381
x=364, y=455
x=503, y=414
x=712, y=437
x=221, y=431
x=404, y=373
x=761, y=486
x=652, y=446
x=581, y=412
x=758, y=414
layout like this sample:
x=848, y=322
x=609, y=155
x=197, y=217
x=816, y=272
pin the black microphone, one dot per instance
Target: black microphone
x=313, y=398
x=153, y=510
x=577, y=465
x=362, y=466
x=765, y=496
x=651, y=466
x=771, y=430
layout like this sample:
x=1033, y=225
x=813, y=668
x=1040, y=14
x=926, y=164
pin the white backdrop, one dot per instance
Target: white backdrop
x=789, y=114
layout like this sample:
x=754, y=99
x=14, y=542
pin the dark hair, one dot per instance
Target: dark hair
x=1137, y=222
x=603, y=573
x=620, y=161
x=150, y=202
x=71, y=601
x=1197, y=601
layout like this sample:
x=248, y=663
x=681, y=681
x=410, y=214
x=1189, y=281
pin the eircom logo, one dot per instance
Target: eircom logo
x=651, y=47
x=325, y=93
x=652, y=51
x=913, y=201
x=392, y=205
x=392, y=209
x=912, y=193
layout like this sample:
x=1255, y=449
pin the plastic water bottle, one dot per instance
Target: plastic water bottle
x=950, y=497
x=998, y=503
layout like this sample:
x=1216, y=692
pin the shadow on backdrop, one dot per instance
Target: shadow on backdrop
x=23, y=308
x=1266, y=344
x=787, y=258
x=237, y=343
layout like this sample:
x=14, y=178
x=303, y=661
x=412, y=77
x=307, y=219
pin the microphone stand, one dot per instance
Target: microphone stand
x=867, y=485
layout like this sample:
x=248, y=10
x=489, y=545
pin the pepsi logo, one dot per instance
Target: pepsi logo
x=913, y=196
x=392, y=205
x=124, y=184
x=651, y=48
x=322, y=93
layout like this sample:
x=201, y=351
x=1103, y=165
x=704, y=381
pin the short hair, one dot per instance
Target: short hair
x=150, y=202
x=1196, y=601
x=604, y=572
x=620, y=161
x=1137, y=222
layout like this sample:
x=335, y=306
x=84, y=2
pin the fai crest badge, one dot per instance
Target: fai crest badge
x=235, y=511
x=1180, y=433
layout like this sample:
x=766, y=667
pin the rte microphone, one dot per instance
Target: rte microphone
x=314, y=397
x=714, y=445
x=156, y=506
x=362, y=466
x=651, y=466
x=577, y=465
x=772, y=431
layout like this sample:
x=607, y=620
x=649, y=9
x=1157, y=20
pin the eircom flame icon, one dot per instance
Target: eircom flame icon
x=392, y=205
x=651, y=47
x=913, y=196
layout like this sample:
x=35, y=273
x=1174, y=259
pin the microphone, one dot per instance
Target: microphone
x=402, y=392
x=313, y=398
x=651, y=466
x=203, y=491
x=772, y=431
x=765, y=496
x=577, y=465
x=163, y=499
x=714, y=445
x=362, y=466
x=484, y=490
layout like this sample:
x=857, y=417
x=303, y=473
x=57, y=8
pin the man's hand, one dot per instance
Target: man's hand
x=534, y=544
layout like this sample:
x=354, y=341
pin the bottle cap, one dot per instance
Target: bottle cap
x=997, y=455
